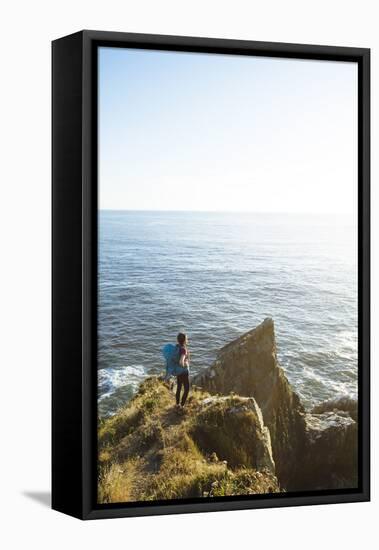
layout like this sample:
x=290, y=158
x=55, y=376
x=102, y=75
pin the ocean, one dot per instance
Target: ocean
x=216, y=276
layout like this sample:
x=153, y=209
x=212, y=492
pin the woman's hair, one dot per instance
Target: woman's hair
x=182, y=339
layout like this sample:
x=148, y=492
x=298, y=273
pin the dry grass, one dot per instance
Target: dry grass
x=148, y=452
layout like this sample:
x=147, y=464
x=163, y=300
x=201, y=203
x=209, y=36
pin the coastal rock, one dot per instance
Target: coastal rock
x=330, y=459
x=248, y=366
x=341, y=403
x=232, y=427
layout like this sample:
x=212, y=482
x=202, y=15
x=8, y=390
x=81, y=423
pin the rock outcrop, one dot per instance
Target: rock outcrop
x=311, y=450
x=248, y=366
x=343, y=403
x=331, y=454
x=233, y=428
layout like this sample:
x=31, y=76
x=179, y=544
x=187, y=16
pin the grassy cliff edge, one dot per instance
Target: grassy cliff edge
x=220, y=447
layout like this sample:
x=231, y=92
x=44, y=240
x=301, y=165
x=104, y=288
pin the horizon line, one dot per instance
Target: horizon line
x=157, y=210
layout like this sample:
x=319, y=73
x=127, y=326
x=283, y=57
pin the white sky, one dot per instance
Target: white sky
x=182, y=131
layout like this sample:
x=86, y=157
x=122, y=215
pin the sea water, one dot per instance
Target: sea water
x=216, y=276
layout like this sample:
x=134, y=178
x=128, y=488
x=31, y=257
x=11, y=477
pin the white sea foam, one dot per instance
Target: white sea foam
x=110, y=379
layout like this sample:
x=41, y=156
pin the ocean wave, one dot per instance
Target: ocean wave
x=111, y=379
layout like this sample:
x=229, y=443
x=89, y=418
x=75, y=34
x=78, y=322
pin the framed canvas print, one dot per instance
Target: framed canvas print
x=210, y=274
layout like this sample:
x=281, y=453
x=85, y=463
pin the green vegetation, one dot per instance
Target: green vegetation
x=148, y=451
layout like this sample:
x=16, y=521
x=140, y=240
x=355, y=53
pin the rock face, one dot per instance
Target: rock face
x=331, y=455
x=342, y=403
x=248, y=366
x=233, y=428
x=311, y=450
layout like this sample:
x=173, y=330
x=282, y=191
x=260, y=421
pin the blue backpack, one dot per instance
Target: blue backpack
x=171, y=354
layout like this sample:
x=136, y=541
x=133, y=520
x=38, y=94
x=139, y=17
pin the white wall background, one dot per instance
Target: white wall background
x=26, y=31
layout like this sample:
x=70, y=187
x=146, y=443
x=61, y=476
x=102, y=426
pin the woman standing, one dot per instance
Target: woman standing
x=183, y=377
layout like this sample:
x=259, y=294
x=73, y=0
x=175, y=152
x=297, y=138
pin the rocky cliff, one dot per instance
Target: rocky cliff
x=245, y=431
x=311, y=450
x=331, y=455
x=248, y=366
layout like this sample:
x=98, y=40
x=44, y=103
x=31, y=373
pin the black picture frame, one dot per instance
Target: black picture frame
x=74, y=271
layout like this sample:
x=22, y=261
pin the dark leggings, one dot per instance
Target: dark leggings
x=182, y=380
